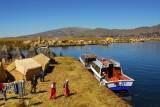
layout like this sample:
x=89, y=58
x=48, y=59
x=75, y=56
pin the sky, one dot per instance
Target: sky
x=23, y=17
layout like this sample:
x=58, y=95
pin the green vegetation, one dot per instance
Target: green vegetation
x=11, y=45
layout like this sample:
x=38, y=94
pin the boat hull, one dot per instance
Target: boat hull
x=121, y=85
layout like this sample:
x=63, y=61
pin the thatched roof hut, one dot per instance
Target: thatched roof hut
x=48, y=52
x=5, y=54
x=18, y=54
x=11, y=67
x=2, y=73
x=28, y=67
x=32, y=52
x=42, y=60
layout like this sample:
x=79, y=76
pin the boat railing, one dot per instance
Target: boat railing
x=108, y=57
x=115, y=63
x=104, y=57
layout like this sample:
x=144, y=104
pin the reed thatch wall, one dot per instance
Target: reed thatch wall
x=5, y=54
x=18, y=54
x=32, y=52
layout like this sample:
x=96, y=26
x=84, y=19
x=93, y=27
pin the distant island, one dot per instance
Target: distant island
x=77, y=32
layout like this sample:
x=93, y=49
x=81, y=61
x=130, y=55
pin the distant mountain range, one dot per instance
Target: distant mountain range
x=77, y=32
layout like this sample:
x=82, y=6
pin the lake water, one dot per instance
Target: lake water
x=140, y=61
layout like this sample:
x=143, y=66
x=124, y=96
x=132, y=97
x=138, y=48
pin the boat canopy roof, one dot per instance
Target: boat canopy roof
x=89, y=55
x=105, y=63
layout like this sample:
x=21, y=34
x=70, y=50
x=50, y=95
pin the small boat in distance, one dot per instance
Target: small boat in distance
x=114, y=79
x=86, y=59
x=142, y=40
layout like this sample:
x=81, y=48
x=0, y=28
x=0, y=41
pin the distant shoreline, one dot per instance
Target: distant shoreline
x=34, y=39
x=25, y=43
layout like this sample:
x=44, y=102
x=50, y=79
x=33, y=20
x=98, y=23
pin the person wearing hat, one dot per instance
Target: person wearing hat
x=53, y=91
x=34, y=84
x=66, y=88
x=102, y=78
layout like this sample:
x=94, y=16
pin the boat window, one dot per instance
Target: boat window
x=118, y=69
x=103, y=70
x=90, y=59
x=96, y=67
x=87, y=61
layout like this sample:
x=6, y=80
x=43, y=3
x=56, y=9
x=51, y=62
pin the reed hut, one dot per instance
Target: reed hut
x=32, y=52
x=48, y=52
x=18, y=54
x=2, y=74
x=42, y=60
x=13, y=74
x=5, y=54
x=11, y=67
x=28, y=67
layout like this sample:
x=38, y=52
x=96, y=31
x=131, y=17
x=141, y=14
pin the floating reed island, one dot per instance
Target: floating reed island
x=84, y=88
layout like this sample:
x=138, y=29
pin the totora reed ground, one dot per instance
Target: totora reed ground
x=84, y=88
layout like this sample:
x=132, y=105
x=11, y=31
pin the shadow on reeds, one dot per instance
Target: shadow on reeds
x=2, y=104
x=59, y=96
x=50, y=69
x=47, y=80
x=18, y=98
x=52, y=61
x=72, y=94
x=35, y=104
x=41, y=92
x=63, y=95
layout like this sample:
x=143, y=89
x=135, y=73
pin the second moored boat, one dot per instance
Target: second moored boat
x=86, y=59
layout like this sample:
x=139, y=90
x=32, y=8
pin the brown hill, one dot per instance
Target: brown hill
x=63, y=32
x=153, y=31
x=77, y=32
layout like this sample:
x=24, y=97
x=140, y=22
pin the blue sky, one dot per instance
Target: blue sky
x=23, y=17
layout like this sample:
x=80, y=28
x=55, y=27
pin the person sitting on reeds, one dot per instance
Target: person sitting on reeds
x=53, y=91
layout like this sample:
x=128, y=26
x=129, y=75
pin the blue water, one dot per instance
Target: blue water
x=140, y=61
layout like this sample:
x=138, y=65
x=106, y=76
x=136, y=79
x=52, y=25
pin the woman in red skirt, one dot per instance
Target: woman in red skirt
x=66, y=88
x=53, y=91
